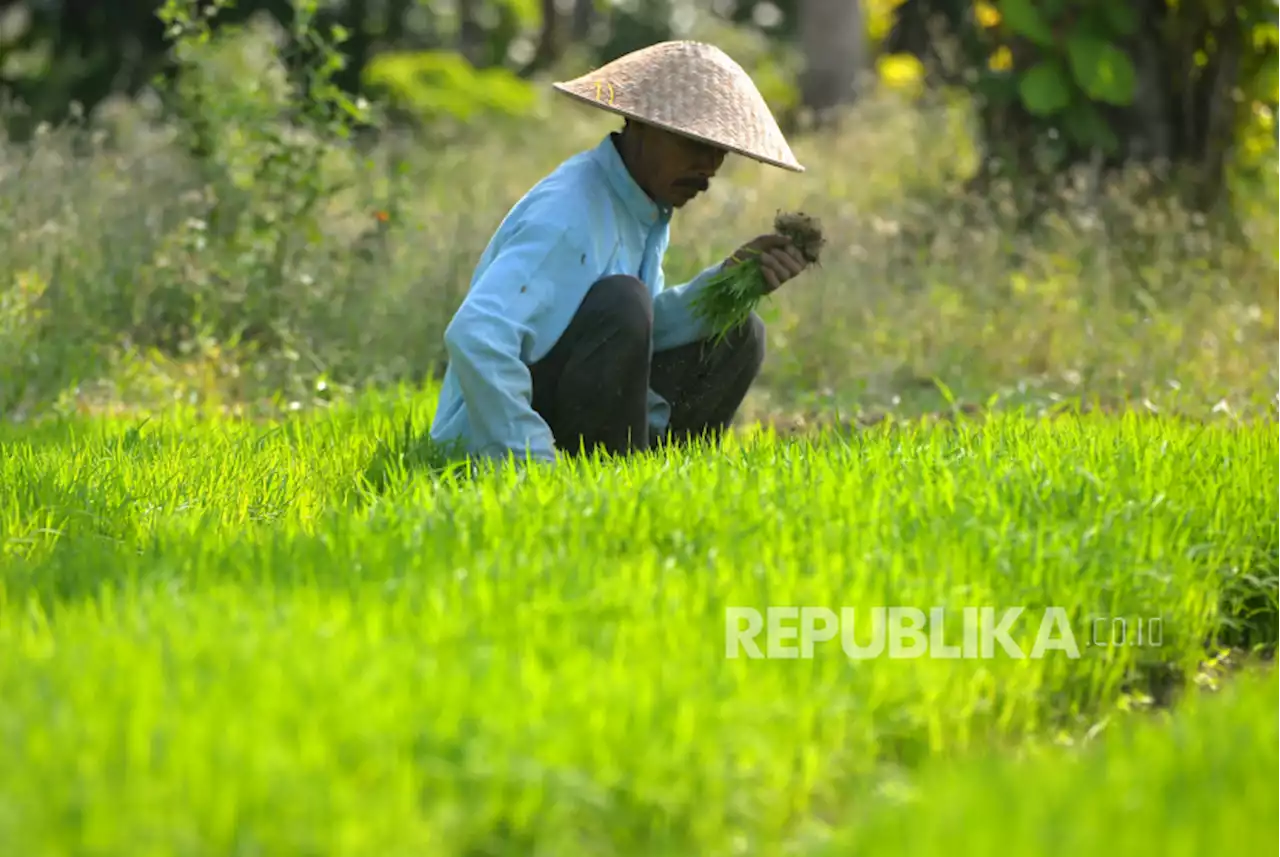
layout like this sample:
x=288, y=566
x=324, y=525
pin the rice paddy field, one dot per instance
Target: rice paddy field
x=309, y=636
x=246, y=611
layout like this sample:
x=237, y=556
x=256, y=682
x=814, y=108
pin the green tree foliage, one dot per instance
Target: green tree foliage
x=1186, y=83
x=440, y=87
x=60, y=57
x=262, y=134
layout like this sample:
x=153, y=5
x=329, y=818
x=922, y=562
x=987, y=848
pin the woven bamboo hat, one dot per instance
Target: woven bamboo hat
x=688, y=88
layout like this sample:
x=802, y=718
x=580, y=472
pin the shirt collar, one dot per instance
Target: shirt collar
x=636, y=201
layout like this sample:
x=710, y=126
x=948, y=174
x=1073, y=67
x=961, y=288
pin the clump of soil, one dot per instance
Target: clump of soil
x=804, y=231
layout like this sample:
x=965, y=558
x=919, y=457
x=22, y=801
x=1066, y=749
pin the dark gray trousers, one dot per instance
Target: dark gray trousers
x=592, y=387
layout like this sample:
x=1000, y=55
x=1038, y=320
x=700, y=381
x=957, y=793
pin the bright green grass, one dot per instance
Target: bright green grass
x=1202, y=781
x=214, y=642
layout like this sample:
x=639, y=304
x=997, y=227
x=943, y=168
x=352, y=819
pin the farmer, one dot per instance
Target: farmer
x=568, y=339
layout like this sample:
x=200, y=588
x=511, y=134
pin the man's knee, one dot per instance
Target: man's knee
x=621, y=304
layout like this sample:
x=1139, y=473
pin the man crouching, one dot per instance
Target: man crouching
x=569, y=340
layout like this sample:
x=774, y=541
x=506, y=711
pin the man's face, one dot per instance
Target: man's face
x=676, y=168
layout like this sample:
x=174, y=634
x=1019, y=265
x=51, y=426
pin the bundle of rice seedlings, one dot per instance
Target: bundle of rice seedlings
x=729, y=297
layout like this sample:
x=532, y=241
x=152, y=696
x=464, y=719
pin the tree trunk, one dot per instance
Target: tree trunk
x=471, y=35
x=584, y=17
x=551, y=38
x=833, y=38
x=359, y=47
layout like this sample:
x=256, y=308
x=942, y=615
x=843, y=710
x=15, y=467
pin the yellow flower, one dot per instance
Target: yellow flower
x=988, y=16
x=901, y=72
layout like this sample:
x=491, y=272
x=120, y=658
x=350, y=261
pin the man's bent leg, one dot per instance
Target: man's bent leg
x=705, y=384
x=592, y=386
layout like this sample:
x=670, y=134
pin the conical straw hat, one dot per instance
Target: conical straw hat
x=689, y=88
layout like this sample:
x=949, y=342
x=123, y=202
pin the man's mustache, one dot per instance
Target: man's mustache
x=695, y=184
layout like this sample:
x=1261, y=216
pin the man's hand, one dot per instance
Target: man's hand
x=779, y=260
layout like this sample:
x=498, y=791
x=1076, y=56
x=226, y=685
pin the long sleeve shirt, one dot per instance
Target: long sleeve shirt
x=588, y=219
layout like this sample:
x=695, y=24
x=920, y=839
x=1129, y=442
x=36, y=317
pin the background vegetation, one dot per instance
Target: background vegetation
x=279, y=203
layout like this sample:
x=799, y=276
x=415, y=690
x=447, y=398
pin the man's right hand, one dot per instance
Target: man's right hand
x=779, y=259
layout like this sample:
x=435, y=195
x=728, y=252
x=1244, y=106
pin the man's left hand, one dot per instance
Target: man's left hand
x=779, y=259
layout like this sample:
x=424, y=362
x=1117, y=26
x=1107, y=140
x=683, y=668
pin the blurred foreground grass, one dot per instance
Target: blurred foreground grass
x=219, y=639
x=1198, y=781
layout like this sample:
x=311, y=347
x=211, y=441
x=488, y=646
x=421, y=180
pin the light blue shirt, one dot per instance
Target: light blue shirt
x=586, y=220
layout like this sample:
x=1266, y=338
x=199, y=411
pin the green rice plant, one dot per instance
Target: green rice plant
x=730, y=296
x=215, y=640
